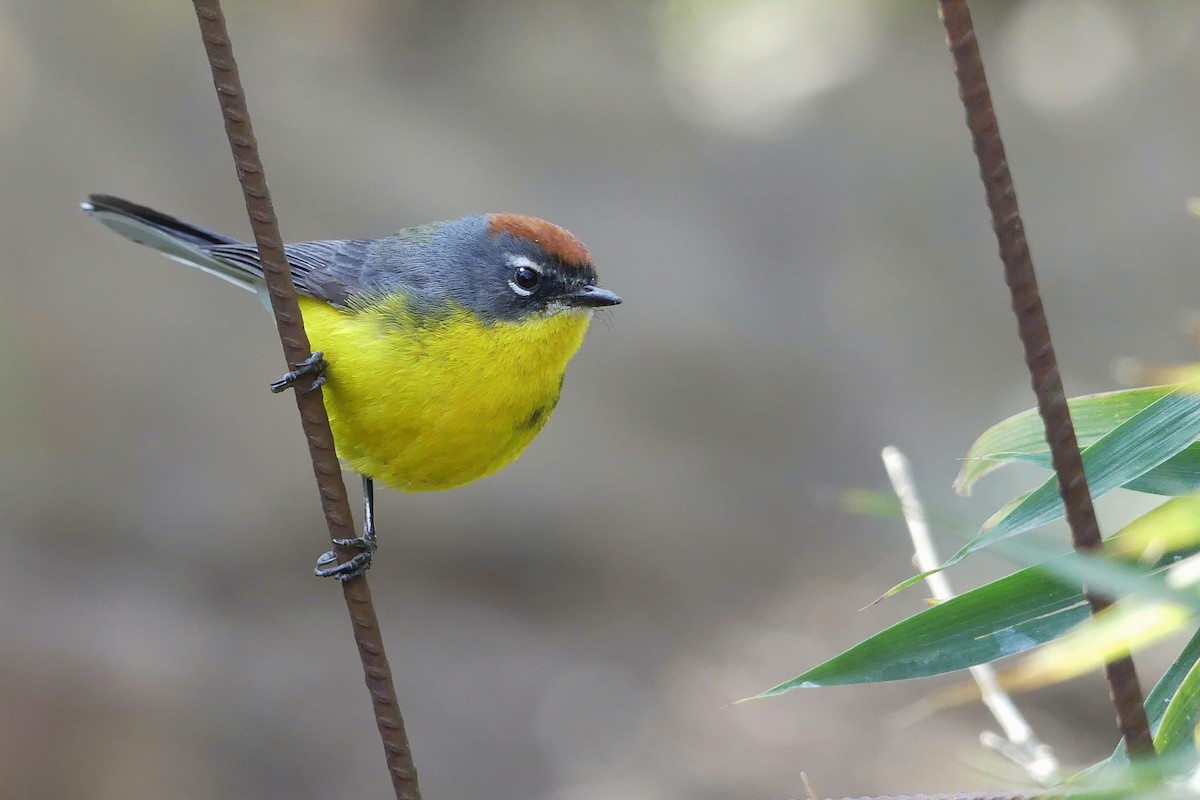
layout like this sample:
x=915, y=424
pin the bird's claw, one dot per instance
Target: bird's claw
x=313, y=365
x=354, y=566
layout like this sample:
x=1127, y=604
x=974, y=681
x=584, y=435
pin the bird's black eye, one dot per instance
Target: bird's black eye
x=525, y=279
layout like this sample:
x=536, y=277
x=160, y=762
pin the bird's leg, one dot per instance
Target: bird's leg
x=366, y=544
x=313, y=365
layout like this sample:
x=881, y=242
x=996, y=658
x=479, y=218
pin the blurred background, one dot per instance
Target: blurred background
x=784, y=194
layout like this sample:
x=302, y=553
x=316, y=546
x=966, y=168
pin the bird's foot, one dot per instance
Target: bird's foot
x=313, y=365
x=356, y=565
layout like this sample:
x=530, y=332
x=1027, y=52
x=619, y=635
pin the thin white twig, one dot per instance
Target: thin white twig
x=1019, y=743
x=808, y=787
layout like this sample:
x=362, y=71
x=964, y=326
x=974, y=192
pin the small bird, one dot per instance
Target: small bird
x=440, y=349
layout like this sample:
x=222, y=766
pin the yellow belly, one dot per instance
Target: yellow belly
x=433, y=403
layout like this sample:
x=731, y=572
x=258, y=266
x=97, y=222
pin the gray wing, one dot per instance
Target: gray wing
x=333, y=270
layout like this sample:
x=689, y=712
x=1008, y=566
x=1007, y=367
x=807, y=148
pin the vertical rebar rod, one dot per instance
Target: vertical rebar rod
x=1125, y=691
x=313, y=416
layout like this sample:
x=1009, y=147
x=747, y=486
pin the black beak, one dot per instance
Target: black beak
x=593, y=297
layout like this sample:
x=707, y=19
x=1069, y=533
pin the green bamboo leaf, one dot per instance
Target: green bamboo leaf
x=1130, y=450
x=1000, y=618
x=1178, y=475
x=1148, y=779
x=1007, y=616
x=1130, y=625
x=1111, y=577
x=1169, y=684
x=1093, y=416
x=1177, y=728
x=1160, y=697
x=1136, y=446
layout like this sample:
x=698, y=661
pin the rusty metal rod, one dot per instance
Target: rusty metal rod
x=1125, y=691
x=313, y=416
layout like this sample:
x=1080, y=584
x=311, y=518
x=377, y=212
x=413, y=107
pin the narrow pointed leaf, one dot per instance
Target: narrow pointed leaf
x=1142, y=442
x=1003, y=617
x=1177, y=730
x=1133, y=448
x=1114, y=632
x=1159, y=699
x=904, y=584
x=1093, y=416
x=1111, y=577
x=1007, y=616
x=1178, y=475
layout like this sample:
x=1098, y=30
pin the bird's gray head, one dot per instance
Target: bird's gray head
x=503, y=267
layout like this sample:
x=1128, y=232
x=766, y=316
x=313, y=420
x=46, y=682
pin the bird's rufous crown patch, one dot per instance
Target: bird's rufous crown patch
x=554, y=241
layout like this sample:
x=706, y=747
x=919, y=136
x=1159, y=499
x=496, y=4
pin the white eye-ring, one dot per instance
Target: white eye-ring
x=525, y=276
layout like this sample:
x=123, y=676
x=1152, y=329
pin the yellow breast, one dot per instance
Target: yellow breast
x=423, y=402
